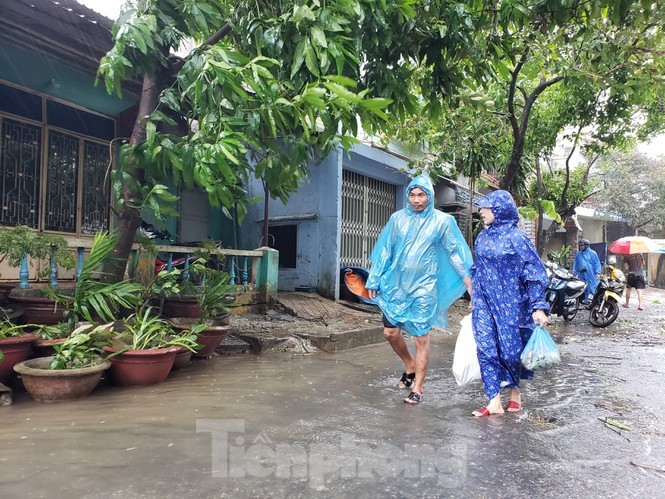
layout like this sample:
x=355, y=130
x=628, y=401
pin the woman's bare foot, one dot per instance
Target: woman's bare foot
x=494, y=407
x=486, y=411
x=515, y=403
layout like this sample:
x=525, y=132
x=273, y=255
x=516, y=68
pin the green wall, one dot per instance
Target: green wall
x=38, y=72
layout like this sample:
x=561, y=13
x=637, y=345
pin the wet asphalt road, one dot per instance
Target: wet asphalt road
x=333, y=425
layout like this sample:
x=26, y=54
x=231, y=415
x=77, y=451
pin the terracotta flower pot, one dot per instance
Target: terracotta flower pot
x=141, y=367
x=209, y=339
x=5, y=289
x=38, y=310
x=182, y=358
x=181, y=307
x=52, y=385
x=44, y=348
x=15, y=350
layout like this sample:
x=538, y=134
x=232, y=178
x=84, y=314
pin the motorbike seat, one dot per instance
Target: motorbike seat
x=576, y=285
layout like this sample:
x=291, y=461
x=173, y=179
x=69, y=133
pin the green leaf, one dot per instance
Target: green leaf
x=319, y=37
x=150, y=130
x=310, y=59
x=376, y=103
x=342, y=92
x=299, y=57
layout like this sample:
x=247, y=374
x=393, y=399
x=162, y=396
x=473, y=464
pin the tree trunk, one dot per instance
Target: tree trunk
x=571, y=240
x=128, y=218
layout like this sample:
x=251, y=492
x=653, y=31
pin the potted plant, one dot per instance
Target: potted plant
x=75, y=369
x=48, y=336
x=18, y=242
x=215, y=298
x=176, y=296
x=179, y=296
x=15, y=345
x=145, y=349
x=93, y=300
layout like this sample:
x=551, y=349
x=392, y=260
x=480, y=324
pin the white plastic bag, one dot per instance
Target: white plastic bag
x=465, y=361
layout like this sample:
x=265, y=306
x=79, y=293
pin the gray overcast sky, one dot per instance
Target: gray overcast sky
x=108, y=8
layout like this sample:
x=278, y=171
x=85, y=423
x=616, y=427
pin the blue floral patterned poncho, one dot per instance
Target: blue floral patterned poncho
x=418, y=264
x=509, y=282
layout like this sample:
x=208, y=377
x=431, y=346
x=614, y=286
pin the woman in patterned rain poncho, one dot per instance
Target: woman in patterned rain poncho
x=509, y=282
x=419, y=268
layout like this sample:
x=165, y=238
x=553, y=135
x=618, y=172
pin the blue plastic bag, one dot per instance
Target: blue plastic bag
x=540, y=351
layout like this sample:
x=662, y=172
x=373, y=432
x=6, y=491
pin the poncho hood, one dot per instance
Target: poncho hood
x=503, y=207
x=423, y=182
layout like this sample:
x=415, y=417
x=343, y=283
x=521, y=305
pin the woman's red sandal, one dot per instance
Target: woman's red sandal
x=514, y=406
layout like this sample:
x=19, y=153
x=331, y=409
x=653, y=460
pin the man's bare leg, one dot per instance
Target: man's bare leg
x=640, y=303
x=422, y=360
x=626, y=304
x=398, y=344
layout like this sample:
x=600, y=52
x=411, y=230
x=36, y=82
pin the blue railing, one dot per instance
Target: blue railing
x=242, y=265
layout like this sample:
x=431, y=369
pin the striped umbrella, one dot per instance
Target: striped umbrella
x=633, y=244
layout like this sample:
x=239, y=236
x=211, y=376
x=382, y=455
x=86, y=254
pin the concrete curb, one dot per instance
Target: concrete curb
x=333, y=342
x=344, y=340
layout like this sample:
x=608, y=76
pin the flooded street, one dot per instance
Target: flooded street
x=333, y=425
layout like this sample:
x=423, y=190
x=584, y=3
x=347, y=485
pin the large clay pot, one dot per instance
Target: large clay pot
x=38, y=310
x=141, y=367
x=52, y=385
x=15, y=350
x=44, y=348
x=181, y=307
x=5, y=289
x=182, y=358
x=210, y=338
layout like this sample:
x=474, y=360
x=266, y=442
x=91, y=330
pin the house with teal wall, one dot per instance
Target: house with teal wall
x=333, y=219
x=61, y=134
x=61, y=131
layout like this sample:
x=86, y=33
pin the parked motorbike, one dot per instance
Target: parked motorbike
x=564, y=293
x=604, y=308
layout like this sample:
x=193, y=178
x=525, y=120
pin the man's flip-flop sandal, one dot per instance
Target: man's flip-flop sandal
x=413, y=398
x=514, y=406
x=407, y=380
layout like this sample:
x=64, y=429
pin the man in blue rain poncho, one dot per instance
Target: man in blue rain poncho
x=420, y=266
x=509, y=282
x=587, y=267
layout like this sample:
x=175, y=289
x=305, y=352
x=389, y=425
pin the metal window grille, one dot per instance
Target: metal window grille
x=367, y=204
x=60, y=188
x=20, y=153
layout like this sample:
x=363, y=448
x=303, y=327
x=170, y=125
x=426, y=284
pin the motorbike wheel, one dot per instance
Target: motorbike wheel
x=605, y=315
x=570, y=314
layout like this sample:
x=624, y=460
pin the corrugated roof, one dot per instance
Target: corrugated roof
x=70, y=31
x=595, y=213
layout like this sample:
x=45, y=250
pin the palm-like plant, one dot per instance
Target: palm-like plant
x=94, y=300
x=217, y=296
x=145, y=330
x=83, y=348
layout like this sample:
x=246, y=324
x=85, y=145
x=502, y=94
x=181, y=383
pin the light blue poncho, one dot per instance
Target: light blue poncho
x=588, y=260
x=418, y=264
